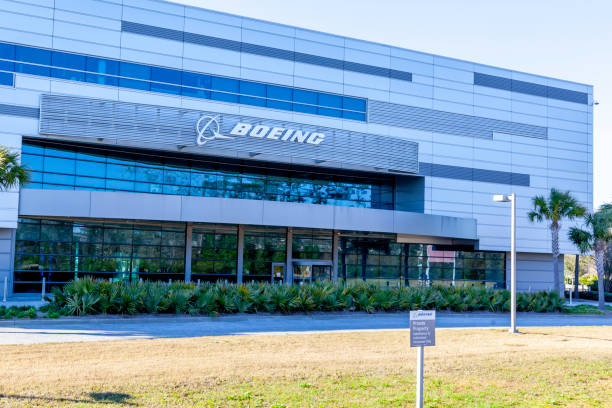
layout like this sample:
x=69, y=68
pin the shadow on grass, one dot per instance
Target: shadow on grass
x=96, y=398
x=565, y=336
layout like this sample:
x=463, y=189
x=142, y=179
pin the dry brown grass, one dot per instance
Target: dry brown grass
x=466, y=368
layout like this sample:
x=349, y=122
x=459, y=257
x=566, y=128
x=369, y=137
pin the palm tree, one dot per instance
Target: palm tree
x=12, y=173
x=595, y=238
x=554, y=208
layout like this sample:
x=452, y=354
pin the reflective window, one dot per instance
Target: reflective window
x=261, y=248
x=103, y=71
x=214, y=253
x=62, y=251
x=54, y=167
x=6, y=78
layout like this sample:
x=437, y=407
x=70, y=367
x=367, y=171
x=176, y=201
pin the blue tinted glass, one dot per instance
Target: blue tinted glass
x=64, y=60
x=49, y=151
x=87, y=168
x=252, y=88
x=7, y=51
x=279, y=92
x=36, y=176
x=196, y=80
x=32, y=149
x=59, y=165
x=170, y=76
x=279, y=105
x=33, y=162
x=102, y=66
x=58, y=179
x=121, y=172
x=120, y=185
x=33, y=55
x=354, y=115
x=6, y=78
x=130, y=70
x=336, y=113
x=90, y=182
x=333, y=101
x=230, y=86
x=305, y=98
x=354, y=104
x=91, y=157
x=127, y=69
x=34, y=185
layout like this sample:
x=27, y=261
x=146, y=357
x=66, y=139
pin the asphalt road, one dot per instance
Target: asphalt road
x=24, y=331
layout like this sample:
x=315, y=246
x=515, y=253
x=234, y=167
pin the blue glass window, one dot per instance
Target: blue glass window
x=129, y=70
x=7, y=51
x=191, y=79
x=6, y=78
x=59, y=165
x=354, y=104
x=277, y=95
x=103, y=71
x=169, y=76
x=306, y=101
x=228, y=86
x=65, y=60
x=252, y=88
x=34, y=56
x=102, y=66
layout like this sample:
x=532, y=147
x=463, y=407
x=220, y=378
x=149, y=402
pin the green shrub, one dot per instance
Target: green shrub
x=88, y=296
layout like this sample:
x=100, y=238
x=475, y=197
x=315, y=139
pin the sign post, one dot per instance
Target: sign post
x=422, y=333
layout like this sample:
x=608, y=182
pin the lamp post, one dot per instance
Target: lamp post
x=502, y=198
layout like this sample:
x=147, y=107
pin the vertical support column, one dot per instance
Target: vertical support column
x=240, y=255
x=188, y=246
x=335, y=242
x=289, y=260
x=513, y=266
x=419, y=385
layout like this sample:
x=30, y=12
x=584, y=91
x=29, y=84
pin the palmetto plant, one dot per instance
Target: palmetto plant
x=12, y=174
x=553, y=209
x=595, y=237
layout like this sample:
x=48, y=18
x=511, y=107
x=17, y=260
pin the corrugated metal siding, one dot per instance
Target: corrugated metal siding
x=121, y=121
x=447, y=122
x=24, y=111
x=144, y=29
x=473, y=174
x=529, y=88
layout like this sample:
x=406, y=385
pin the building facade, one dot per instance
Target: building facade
x=173, y=142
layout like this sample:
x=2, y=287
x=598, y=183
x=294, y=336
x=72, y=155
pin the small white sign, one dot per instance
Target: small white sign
x=422, y=328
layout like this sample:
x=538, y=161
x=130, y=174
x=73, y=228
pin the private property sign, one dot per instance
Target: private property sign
x=422, y=328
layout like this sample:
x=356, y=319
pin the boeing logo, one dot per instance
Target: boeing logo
x=208, y=129
x=208, y=125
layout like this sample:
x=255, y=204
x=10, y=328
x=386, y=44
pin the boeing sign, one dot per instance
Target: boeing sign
x=208, y=129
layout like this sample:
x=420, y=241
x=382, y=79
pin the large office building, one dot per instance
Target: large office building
x=174, y=142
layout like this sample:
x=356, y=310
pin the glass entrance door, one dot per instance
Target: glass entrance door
x=278, y=272
x=310, y=271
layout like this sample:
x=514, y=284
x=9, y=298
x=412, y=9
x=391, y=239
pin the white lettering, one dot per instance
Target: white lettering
x=259, y=131
x=299, y=136
x=275, y=133
x=287, y=134
x=241, y=129
x=315, y=138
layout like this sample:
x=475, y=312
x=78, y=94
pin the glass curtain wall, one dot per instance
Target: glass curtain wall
x=214, y=253
x=387, y=263
x=72, y=167
x=312, y=244
x=261, y=248
x=62, y=251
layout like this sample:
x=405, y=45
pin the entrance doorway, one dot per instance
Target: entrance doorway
x=278, y=272
x=311, y=271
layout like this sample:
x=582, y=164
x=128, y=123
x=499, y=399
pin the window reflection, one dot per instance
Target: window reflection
x=63, y=168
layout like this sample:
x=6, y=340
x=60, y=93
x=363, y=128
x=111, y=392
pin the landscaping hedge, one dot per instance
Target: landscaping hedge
x=89, y=296
x=594, y=295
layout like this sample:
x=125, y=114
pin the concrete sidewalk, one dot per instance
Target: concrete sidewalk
x=23, y=331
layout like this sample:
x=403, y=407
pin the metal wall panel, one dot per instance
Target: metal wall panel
x=447, y=122
x=14, y=110
x=147, y=124
x=209, y=41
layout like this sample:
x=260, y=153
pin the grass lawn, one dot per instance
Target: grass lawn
x=544, y=367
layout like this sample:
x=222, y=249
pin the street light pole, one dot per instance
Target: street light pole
x=513, y=266
x=512, y=199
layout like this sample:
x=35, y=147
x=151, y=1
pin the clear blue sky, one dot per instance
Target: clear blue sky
x=567, y=39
